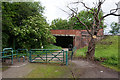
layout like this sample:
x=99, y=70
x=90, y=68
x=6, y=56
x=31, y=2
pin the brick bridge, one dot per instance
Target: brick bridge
x=78, y=38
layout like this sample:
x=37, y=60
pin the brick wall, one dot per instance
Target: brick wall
x=66, y=32
x=85, y=37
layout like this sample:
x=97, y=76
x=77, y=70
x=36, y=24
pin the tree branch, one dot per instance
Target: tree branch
x=115, y=10
x=84, y=25
x=72, y=10
x=99, y=7
x=86, y=6
x=109, y=15
x=83, y=5
x=112, y=12
x=65, y=11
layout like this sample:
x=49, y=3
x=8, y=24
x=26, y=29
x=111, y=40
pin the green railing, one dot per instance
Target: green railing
x=48, y=56
x=10, y=53
x=21, y=53
x=7, y=53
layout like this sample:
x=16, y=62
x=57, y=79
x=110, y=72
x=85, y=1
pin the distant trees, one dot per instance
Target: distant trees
x=24, y=25
x=73, y=23
x=59, y=24
x=115, y=28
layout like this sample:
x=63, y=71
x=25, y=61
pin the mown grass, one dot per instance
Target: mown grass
x=47, y=71
x=106, y=51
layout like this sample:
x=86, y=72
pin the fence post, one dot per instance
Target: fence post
x=63, y=56
x=72, y=55
x=66, y=58
x=12, y=56
x=27, y=55
x=46, y=55
x=30, y=56
x=16, y=54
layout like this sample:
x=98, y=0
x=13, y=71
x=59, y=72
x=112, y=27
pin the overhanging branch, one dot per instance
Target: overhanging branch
x=109, y=15
x=112, y=12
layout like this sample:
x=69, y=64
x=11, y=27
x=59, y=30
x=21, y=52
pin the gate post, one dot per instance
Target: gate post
x=66, y=58
x=12, y=56
x=30, y=56
x=46, y=55
x=63, y=57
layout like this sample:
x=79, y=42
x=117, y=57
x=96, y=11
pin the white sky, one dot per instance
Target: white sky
x=53, y=9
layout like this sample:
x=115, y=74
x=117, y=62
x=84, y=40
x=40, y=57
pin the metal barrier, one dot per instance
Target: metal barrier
x=7, y=53
x=10, y=53
x=48, y=56
x=21, y=53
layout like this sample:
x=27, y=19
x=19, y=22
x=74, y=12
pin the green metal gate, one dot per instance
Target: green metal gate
x=48, y=56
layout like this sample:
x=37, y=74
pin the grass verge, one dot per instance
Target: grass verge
x=106, y=51
x=48, y=71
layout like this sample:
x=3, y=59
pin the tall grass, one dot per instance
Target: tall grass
x=81, y=52
x=106, y=51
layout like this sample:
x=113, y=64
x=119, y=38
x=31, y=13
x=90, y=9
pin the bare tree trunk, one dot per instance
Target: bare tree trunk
x=91, y=50
x=97, y=22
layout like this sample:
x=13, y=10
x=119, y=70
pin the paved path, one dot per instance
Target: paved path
x=17, y=70
x=81, y=69
x=85, y=69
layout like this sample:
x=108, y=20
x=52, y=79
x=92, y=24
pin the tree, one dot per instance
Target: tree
x=86, y=18
x=97, y=21
x=24, y=23
x=59, y=24
x=36, y=30
x=73, y=23
x=115, y=28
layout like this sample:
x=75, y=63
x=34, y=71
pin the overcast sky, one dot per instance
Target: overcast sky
x=53, y=9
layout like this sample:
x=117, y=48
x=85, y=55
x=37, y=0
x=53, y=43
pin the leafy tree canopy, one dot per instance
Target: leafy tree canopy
x=24, y=22
x=60, y=24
